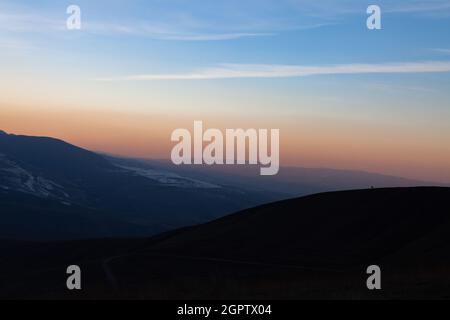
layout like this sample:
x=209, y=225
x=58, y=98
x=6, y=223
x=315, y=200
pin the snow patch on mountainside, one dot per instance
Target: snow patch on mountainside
x=169, y=178
x=14, y=177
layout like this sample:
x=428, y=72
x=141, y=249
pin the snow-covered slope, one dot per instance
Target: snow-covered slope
x=167, y=178
x=16, y=178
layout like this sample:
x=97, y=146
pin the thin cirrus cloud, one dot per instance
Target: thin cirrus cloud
x=184, y=22
x=163, y=32
x=333, y=9
x=420, y=6
x=208, y=37
x=441, y=50
x=235, y=71
x=32, y=23
x=159, y=32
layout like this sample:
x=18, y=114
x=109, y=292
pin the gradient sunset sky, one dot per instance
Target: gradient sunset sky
x=342, y=96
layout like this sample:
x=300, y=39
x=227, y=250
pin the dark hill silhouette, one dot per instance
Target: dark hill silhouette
x=330, y=229
x=312, y=247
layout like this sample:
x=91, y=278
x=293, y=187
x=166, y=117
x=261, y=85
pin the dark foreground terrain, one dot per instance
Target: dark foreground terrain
x=312, y=247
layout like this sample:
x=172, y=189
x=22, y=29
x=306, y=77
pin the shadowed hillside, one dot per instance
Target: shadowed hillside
x=313, y=247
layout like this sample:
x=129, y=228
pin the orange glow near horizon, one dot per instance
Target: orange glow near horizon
x=311, y=142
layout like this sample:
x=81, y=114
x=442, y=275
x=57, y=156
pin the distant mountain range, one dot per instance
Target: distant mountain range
x=51, y=190
x=292, y=181
x=317, y=246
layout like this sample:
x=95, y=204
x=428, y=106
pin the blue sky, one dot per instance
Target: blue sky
x=176, y=34
x=282, y=60
x=211, y=40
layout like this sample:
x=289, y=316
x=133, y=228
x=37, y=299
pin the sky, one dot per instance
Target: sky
x=342, y=96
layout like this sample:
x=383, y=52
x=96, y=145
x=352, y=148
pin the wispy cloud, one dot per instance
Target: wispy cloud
x=32, y=23
x=218, y=21
x=411, y=6
x=167, y=34
x=208, y=37
x=160, y=32
x=163, y=31
x=230, y=71
x=330, y=8
x=441, y=50
x=221, y=21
